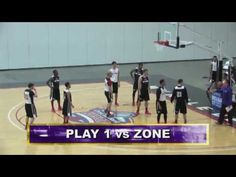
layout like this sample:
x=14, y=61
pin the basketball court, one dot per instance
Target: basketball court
x=87, y=88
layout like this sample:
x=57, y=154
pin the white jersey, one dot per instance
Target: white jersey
x=108, y=84
x=115, y=73
x=29, y=96
x=163, y=94
x=214, y=66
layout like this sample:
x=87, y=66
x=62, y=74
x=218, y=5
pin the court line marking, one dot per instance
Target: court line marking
x=118, y=148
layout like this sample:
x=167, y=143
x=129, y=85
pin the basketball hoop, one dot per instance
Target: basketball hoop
x=161, y=44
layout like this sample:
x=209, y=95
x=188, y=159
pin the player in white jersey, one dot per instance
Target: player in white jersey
x=214, y=66
x=29, y=94
x=108, y=92
x=115, y=80
x=161, y=101
x=67, y=104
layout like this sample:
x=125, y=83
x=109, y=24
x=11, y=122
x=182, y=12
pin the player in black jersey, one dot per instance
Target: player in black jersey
x=30, y=108
x=135, y=74
x=143, y=91
x=54, y=84
x=67, y=104
x=180, y=96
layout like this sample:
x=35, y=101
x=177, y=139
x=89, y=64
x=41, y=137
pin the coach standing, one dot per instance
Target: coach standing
x=226, y=93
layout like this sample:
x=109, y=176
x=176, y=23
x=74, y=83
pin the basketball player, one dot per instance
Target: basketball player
x=213, y=69
x=30, y=108
x=213, y=75
x=180, y=96
x=67, y=104
x=135, y=74
x=115, y=80
x=161, y=101
x=108, y=92
x=54, y=83
x=143, y=91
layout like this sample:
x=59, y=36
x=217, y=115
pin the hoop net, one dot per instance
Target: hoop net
x=160, y=45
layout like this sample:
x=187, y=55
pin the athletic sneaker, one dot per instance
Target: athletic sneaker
x=147, y=112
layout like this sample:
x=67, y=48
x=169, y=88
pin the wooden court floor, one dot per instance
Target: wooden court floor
x=87, y=96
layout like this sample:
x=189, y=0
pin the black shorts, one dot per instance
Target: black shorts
x=55, y=94
x=135, y=86
x=213, y=76
x=30, y=110
x=180, y=107
x=66, y=110
x=144, y=96
x=163, y=109
x=108, y=96
x=115, y=87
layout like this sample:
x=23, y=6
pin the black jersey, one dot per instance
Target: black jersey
x=137, y=73
x=180, y=94
x=144, y=83
x=29, y=96
x=54, y=82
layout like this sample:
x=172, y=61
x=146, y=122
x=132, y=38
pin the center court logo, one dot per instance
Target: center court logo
x=97, y=115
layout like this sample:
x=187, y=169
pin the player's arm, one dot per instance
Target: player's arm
x=139, y=85
x=173, y=95
x=186, y=95
x=71, y=100
x=49, y=81
x=35, y=92
x=132, y=73
x=111, y=91
x=118, y=78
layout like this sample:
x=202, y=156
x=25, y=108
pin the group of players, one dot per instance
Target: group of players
x=141, y=85
x=54, y=84
x=112, y=84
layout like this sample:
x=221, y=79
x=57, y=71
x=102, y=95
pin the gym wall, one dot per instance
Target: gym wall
x=34, y=45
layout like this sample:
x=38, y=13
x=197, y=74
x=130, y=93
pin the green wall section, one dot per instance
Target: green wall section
x=30, y=45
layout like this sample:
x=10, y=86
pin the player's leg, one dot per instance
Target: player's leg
x=52, y=99
x=165, y=118
x=185, y=118
x=115, y=91
x=138, y=106
x=133, y=96
x=59, y=105
x=222, y=115
x=56, y=96
x=164, y=110
x=146, y=107
x=158, y=117
x=26, y=122
x=146, y=98
x=176, y=112
x=65, y=119
x=52, y=106
x=176, y=117
x=116, y=98
x=32, y=121
x=230, y=118
x=183, y=110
